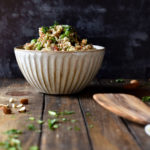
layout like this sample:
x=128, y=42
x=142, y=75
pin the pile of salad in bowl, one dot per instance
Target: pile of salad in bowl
x=58, y=38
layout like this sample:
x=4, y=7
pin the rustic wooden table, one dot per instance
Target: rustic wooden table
x=109, y=132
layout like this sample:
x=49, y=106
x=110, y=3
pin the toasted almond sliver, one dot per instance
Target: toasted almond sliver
x=13, y=105
x=6, y=110
x=19, y=106
x=24, y=101
x=11, y=100
x=22, y=109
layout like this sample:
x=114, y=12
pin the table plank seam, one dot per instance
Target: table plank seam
x=85, y=123
x=41, y=125
x=131, y=132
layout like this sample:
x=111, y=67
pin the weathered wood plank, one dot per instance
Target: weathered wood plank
x=19, y=88
x=136, y=130
x=108, y=132
x=62, y=138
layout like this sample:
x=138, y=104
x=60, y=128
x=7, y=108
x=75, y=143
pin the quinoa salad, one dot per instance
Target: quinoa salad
x=58, y=38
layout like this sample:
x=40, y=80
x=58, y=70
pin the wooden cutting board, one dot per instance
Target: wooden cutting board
x=126, y=106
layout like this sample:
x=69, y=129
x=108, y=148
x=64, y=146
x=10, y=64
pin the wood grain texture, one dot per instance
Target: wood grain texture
x=136, y=130
x=108, y=132
x=17, y=89
x=62, y=138
x=125, y=105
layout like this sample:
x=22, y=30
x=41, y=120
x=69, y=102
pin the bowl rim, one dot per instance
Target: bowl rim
x=98, y=48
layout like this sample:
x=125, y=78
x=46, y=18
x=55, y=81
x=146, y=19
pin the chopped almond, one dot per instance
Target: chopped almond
x=19, y=106
x=13, y=105
x=11, y=100
x=6, y=110
x=22, y=109
x=132, y=85
x=24, y=101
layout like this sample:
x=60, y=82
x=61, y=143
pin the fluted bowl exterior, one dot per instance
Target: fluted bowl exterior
x=59, y=72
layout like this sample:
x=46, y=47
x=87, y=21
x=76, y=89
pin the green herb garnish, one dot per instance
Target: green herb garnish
x=69, y=128
x=66, y=112
x=52, y=123
x=45, y=29
x=120, y=80
x=88, y=114
x=13, y=131
x=64, y=119
x=33, y=41
x=76, y=128
x=73, y=120
x=31, y=118
x=91, y=126
x=12, y=142
x=62, y=36
x=38, y=46
x=52, y=113
x=31, y=127
x=34, y=148
x=40, y=121
x=53, y=40
x=146, y=98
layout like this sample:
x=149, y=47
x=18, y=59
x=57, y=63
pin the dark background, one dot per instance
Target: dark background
x=122, y=26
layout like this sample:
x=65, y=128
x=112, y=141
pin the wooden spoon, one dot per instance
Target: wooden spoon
x=126, y=106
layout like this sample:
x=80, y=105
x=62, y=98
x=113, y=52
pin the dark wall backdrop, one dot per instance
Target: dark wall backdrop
x=122, y=26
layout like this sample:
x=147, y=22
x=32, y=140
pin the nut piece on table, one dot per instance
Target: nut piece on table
x=24, y=101
x=13, y=105
x=11, y=100
x=19, y=106
x=22, y=109
x=6, y=110
x=132, y=85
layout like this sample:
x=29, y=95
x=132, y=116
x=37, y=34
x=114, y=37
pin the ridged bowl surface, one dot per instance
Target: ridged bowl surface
x=59, y=72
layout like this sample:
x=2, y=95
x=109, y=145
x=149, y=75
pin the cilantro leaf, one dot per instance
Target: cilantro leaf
x=34, y=148
x=146, y=98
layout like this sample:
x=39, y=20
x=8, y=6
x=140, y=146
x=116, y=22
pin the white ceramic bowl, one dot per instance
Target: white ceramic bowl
x=59, y=72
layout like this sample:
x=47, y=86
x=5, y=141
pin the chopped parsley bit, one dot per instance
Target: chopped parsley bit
x=73, y=120
x=69, y=128
x=52, y=113
x=146, y=98
x=31, y=118
x=33, y=148
x=13, y=131
x=38, y=46
x=91, y=126
x=31, y=127
x=66, y=112
x=77, y=128
x=53, y=39
x=45, y=29
x=62, y=36
x=88, y=114
x=64, y=119
x=55, y=126
x=12, y=142
x=40, y=121
x=120, y=80
x=51, y=123
x=33, y=41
